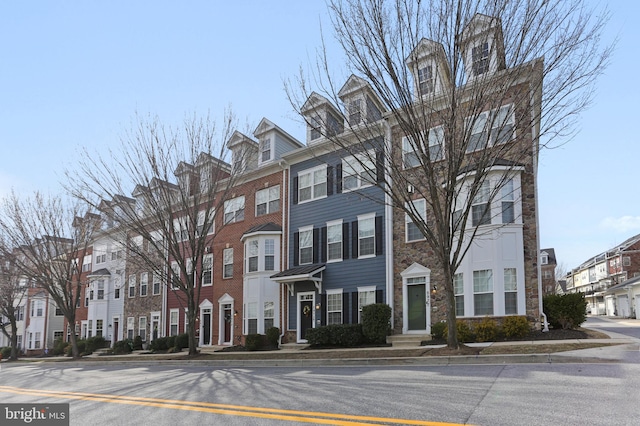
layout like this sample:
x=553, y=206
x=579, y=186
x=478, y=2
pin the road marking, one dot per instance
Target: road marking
x=226, y=409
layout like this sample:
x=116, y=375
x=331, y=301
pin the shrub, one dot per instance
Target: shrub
x=137, y=343
x=486, y=330
x=94, y=343
x=59, y=347
x=273, y=335
x=171, y=341
x=122, y=347
x=81, y=348
x=464, y=332
x=376, y=322
x=438, y=330
x=182, y=341
x=515, y=326
x=566, y=310
x=254, y=342
x=342, y=335
x=159, y=344
x=5, y=352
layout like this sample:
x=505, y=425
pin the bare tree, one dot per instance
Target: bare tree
x=468, y=93
x=179, y=181
x=44, y=237
x=12, y=294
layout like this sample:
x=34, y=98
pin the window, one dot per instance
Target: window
x=86, y=263
x=312, y=184
x=156, y=284
x=626, y=261
x=252, y=255
x=502, y=124
x=175, y=275
x=305, y=244
x=480, y=207
x=207, y=269
x=478, y=138
x=354, y=111
x=544, y=259
x=173, y=322
x=142, y=328
x=425, y=80
x=358, y=172
x=268, y=200
x=436, y=143
x=101, y=258
x=205, y=178
x=100, y=289
x=269, y=254
x=508, y=214
x=37, y=342
x=366, y=236
x=99, y=327
x=366, y=296
x=144, y=283
x=334, y=307
x=412, y=231
x=116, y=293
x=510, y=291
x=409, y=153
x=20, y=313
x=227, y=263
x=458, y=292
x=251, y=320
x=58, y=312
x=180, y=229
x=548, y=274
x=58, y=335
x=37, y=308
x=130, y=327
x=483, y=292
x=132, y=285
x=480, y=58
x=205, y=227
x=269, y=311
x=334, y=241
x=265, y=150
x=315, y=123
x=117, y=254
x=234, y=210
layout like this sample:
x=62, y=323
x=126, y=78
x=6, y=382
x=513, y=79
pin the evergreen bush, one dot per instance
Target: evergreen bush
x=438, y=330
x=464, y=332
x=565, y=311
x=376, y=323
x=486, y=330
x=273, y=335
x=515, y=327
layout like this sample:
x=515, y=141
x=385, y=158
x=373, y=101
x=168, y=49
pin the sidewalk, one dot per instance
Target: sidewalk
x=619, y=350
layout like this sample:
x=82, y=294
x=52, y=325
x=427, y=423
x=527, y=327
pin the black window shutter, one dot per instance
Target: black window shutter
x=294, y=190
x=345, y=308
x=345, y=240
x=354, y=239
x=379, y=296
x=329, y=180
x=378, y=235
x=379, y=166
x=354, y=307
x=323, y=244
x=296, y=248
x=339, y=178
x=316, y=245
x=323, y=309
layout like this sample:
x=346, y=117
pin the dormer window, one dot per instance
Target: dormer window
x=354, y=111
x=315, y=124
x=480, y=58
x=265, y=150
x=425, y=80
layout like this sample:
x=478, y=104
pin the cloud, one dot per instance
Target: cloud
x=621, y=224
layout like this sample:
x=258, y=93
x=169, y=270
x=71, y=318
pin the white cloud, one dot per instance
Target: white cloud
x=621, y=224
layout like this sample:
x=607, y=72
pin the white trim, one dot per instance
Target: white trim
x=339, y=223
x=312, y=171
x=226, y=299
x=299, y=300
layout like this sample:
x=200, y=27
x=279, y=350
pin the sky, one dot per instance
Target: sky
x=74, y=74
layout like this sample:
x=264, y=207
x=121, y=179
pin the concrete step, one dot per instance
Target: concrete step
x=407, y=340
x=294, y=346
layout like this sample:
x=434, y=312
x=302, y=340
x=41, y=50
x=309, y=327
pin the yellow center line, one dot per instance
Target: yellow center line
x=225, y=409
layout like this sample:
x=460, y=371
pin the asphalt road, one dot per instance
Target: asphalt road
x=624, y=326
x=524, y=394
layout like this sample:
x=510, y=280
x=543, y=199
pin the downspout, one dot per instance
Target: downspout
x=284, y=260
x=388, y=220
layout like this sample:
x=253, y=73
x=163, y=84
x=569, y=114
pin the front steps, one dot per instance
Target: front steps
x=407, y=340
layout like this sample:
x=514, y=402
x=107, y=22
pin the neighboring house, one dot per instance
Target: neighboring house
x=605, y=271
x=623, y=300
x=36, y=321
x=548, y=265
x=337, y=249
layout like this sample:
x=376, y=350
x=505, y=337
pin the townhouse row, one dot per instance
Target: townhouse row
x=308, y=237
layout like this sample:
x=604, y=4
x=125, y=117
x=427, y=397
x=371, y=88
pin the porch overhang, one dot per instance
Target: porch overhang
x=311, y=273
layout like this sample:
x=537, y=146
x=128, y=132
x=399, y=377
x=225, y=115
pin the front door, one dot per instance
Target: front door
x=305, y=313
x=417, y=307
x=116, y=324
x=206, y=327
x=227, y=323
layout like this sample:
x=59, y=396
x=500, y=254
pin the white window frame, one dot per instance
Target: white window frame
x=458, y=293
x=317, y=184
x=176, y=275
x=335, y=240
x=355, y=111
x=100, y=289
x=409, y=153
x=142, y=328
x=174, y=321
x=269, y=252
x=268, y=314
x=132, y=286
x=207, y=270
x=156, y=280
x=267, y=142
x=250, y=314
x=364, y=293
x=354, y=167
x=408, y=222
x=252, y=255
x=483, y=288
x=201, y=222
x=131, y=323
x=507, y=202
x=334, y=298
x=491, y=129
x=269, y=198
x=482, y=198
x=227, y=260
x=234, y=210
x=426, y=80
x=480, y=58
x=511, y=288
x=181, y=228
x=144, y=284
x=371, y=234
x=307, y=230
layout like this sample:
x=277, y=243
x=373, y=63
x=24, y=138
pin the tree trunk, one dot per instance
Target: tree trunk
x=14, y=341
x=74, y=342
x=452, y=330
